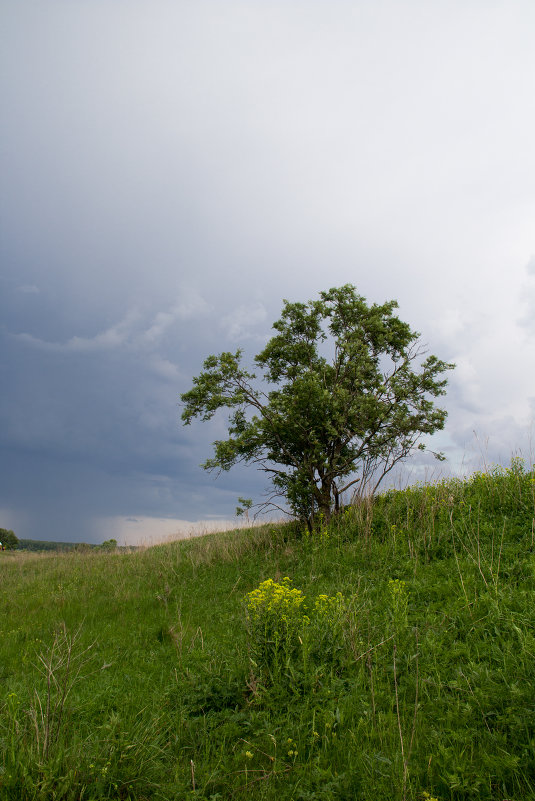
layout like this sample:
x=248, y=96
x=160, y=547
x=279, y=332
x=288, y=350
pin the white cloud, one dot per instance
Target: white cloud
x=163, y=368
x=109, y=339
x=189, y=307
x=238, y=324
x=527, y=299
x=162, y=321
x=450, y=324
x=192, y=307
x=467, y=379
x=128, y=332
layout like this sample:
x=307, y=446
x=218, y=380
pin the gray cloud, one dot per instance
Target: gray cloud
x=29, y=289
x=172, y=171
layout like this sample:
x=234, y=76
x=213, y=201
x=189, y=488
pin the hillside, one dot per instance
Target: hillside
x=389, y=656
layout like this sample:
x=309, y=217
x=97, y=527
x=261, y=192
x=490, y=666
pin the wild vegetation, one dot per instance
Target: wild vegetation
x=387, y=655
x=346, y=395
x=8, y=540
x=48, y=545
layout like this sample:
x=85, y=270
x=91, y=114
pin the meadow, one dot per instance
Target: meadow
x=388, y=656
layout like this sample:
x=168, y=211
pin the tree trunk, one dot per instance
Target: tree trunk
x=325, y=502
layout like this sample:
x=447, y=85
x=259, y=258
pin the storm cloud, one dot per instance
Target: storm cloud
x=171, y=171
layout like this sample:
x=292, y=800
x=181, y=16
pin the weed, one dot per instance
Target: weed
x=60, y=666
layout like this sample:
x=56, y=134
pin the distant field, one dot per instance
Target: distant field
x=387, y=657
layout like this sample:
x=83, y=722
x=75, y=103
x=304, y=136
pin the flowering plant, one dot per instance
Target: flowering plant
x=399, y=599
x=285, y=630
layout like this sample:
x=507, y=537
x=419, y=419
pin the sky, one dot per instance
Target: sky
x=171, y=171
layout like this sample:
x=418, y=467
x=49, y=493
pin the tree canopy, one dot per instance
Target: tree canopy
x=8, y=539
x=347, y=393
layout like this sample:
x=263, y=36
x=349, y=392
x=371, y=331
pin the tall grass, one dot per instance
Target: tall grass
x=405, y=671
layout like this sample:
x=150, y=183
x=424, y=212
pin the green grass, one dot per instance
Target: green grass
x=139, y=675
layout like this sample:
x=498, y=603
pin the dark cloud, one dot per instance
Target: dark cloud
x=172, y=171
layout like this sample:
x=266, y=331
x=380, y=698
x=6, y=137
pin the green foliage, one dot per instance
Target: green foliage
x=325, y=424
x=416, y=682
x=8, y=539
x=244, y=508
x=109, y=545
x=276, y=619
x=399, y=600
x=290, y=635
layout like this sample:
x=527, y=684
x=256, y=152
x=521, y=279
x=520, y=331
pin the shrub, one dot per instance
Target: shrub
x=275, y=616
x=8, y=539
x=287, y=632
x=109, y=545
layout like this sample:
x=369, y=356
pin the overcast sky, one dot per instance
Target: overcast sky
x=172, y=170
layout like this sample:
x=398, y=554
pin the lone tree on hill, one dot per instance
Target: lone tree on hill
x=324, y=425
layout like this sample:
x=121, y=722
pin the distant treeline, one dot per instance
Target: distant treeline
x=44, y=545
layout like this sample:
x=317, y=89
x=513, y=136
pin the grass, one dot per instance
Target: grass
x=143, y=675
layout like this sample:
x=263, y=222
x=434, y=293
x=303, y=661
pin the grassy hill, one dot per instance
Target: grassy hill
x=388, y=656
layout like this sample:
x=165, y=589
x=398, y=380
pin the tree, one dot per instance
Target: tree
x=324, y=425
x=8, y=539
x=109, y=545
